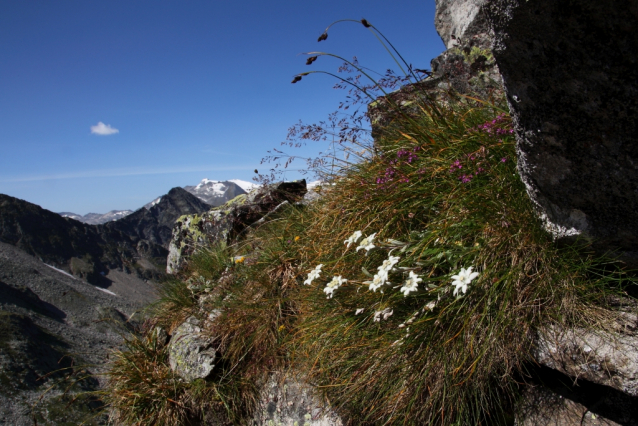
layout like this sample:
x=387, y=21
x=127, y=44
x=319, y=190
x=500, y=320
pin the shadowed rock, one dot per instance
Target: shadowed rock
x=570, y=70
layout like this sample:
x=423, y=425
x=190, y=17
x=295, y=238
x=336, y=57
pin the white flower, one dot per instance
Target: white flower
x=410, y=284
x=366, y=243
x=381, y=278
x=377, y=282
x=358, y=311
x=388, y=264
x=353, y=238
x=313, y=275
x=386, y=313
x=463, y=279
x=336, y=282
x=430, y=305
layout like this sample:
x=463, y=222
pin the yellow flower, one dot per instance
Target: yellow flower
x=240, y=259
x=281, y=328
x=297, y=238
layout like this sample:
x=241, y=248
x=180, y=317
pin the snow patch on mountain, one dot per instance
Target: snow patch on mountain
x=246, y=186
x=97, y=218
x=60, y=271
x=152, y=203
x=105, y=290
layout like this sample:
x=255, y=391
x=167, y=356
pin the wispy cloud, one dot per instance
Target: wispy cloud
x=106, y=173
x=103, y=129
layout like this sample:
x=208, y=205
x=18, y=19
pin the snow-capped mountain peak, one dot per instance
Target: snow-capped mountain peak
x=216, y=192
x=98, y=218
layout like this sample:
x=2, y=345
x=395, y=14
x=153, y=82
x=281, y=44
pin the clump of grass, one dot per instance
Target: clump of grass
x=142, y=388
x=248, y=286
x=442, y=195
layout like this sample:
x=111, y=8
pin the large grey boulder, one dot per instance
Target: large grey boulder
x=290, y=401
x=192, y=353
x=456, y=20
x=570, y=70
x=606, y=358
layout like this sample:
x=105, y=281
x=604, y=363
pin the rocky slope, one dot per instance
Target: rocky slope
x=67, y=290
x=55, y=329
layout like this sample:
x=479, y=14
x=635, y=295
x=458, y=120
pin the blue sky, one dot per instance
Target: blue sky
x=196, y=89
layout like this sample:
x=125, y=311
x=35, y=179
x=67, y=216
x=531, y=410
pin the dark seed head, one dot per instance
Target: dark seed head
x=310, y=60
x=256, y=171
x=296, y=79
x=365, y=23
x=323, y=37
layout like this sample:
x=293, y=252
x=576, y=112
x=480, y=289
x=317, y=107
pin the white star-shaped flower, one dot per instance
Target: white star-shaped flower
x=366, y=243
x=353, y=238
x=336, y=282
x=313, y=275
x=411, y=284
x=463, y=279
x=377, y=281
x=388, y=264
x=384, y=314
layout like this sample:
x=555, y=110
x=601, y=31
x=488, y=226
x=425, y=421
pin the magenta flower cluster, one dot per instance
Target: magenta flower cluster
x=393, y=172
x=495, y=127
x=473, y=168
x=410, y=156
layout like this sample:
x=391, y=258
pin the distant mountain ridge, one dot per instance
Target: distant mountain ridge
x=97, y=218
x=212, y=192
x=134, y=244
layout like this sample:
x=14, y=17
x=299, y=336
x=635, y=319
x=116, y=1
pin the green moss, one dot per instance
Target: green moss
x=230, y=204
x=473, y=53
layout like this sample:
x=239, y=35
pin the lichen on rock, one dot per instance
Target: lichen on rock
x=192, y=354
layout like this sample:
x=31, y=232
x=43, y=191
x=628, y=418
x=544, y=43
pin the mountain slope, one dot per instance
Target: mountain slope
x=135, y=244
x=155, y=223
x=49, y=321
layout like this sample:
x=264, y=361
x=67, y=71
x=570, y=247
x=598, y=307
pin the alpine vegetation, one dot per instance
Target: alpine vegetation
x=441, y=334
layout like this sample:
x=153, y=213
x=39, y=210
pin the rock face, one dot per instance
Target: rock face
x=459, y=19
x=288, y=401
x=602, y=358
x=192, y=353
x=466, y=67
x=222, y=224
x=570, y=70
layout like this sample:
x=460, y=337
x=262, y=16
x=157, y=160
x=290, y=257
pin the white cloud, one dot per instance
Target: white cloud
x=103, y=129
